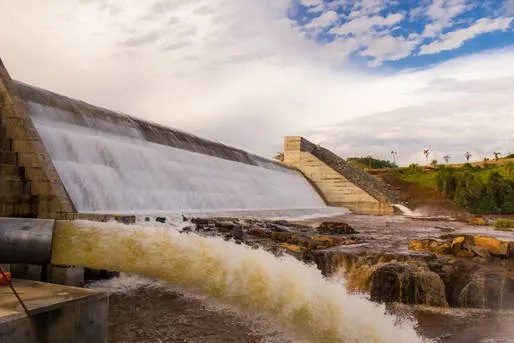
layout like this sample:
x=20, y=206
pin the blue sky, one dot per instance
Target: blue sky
x=358, y=76
x=407, y=34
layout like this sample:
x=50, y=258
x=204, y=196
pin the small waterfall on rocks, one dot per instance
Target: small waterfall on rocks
x=405, y=210
x=284, y=289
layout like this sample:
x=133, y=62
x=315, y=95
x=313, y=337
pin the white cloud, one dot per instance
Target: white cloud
x=389, y=48
x=326, y=19
x=245, y=75
x=455, y=39
x=311, y=2
x=442, y=13
x=365, y=24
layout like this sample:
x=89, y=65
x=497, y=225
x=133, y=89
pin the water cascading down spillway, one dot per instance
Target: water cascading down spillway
x=282, y=288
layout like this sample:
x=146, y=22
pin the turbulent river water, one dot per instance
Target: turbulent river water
x=289, y=292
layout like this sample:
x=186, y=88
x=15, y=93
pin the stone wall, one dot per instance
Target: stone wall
x=30, y=185
x=340, y=183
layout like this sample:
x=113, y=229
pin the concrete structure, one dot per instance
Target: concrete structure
x=29, y=181
x=62, y=158
x=58, y=314
x=338, y=182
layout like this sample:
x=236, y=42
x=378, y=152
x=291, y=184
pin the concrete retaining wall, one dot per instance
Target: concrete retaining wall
x=339, y=183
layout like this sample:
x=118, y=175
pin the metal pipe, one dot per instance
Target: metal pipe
x=25, y=240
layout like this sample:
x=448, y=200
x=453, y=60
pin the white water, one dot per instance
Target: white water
x=114, y=169
x=405, y=210
x=284, y=289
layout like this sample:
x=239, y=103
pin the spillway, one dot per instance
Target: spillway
x=113, y=163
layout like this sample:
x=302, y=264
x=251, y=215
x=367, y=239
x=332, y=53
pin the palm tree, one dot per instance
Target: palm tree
x=394, y=154
x=467, y=155
x=426, y=152
x=446, y=158
x=496, y=154
x=433, y=163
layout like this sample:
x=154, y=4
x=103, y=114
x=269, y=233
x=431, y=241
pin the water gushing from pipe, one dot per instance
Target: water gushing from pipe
x=285, y=289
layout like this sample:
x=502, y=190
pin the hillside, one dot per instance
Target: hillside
x=482, y=189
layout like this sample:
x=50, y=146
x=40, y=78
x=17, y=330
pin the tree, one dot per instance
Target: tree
x=433, y=163
x=426, y=152
x=394, y=154
x=496, y=155
x=446, y=159
x=467, y=155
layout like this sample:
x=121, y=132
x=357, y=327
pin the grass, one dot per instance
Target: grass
x=422, y=177
x=504, y=224
x=427, y=177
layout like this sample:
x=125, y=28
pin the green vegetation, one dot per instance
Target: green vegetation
x=370, y=162
x=487, y=189
x=418, y=175
x=504, y=224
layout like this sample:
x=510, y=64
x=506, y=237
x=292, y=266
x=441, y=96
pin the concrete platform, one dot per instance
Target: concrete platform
x=59, y=314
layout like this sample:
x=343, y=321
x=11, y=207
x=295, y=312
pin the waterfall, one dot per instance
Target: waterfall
x=405, y=210
x=284, y=289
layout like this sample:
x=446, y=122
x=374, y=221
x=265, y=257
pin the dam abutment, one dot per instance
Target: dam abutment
x=340, y=183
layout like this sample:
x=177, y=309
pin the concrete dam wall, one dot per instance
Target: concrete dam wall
x=340, y=183
x=66, y=156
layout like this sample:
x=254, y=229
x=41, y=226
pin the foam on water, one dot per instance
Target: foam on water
x=114, y=169
x=284, y=289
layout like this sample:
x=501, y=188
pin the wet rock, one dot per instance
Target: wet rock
x=457, y=245
x=466, y=253
x=401, y=283
x=435, y=246
x=495, y=246
x=187, y=229
x=237, y=232
x=479, y=251
x=336, y=228
x=259, y=232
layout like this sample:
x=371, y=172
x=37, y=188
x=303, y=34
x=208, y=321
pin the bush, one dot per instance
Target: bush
x=504, y=223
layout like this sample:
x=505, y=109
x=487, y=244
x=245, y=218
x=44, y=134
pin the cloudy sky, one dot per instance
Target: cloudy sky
x=359, y=77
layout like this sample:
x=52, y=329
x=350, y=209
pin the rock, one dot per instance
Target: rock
x=495, y=246
x=466, y=253
x=395, y=282
x=160, y=219
x=336, y=228
x=438, y=247
x=457, y=244
x=187, y=229
x=237, y=232
x=259, y=232
x=480, y=251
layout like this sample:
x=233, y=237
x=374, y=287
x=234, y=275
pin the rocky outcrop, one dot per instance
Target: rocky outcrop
x=394, y=282
x=457, y=270
x=464, y=246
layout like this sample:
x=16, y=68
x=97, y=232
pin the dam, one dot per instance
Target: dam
x=63, y=161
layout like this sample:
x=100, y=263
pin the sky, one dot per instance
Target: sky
x=358, y=77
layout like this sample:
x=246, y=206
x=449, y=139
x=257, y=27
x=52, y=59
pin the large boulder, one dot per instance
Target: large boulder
x=396, y=282
x=495, y=246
